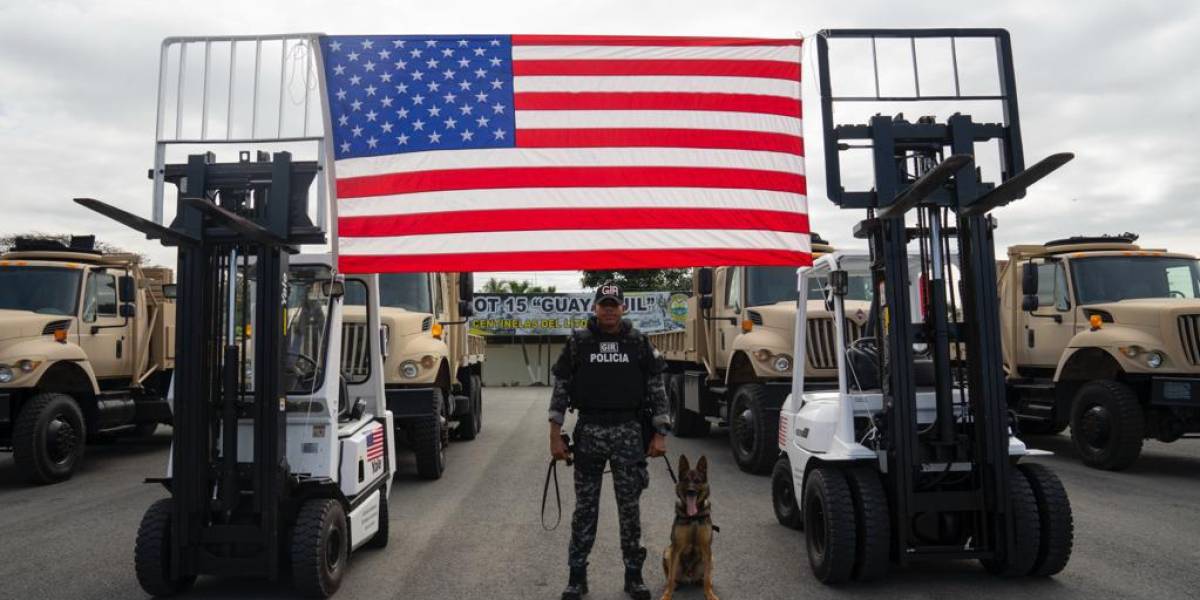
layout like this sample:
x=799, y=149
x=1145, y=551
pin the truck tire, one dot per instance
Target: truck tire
x=320, y=548
x=1057, y=523
x=380, y=539
x=753, y=430
x=685, y=423
x=477, y=395
x=783, y=495
x=1107, y=425
x=427, y=440
x=829, y=525
x=874, y=531
x=152, y=552
x=468, y=424
x=1027, y=528
x=48, y=438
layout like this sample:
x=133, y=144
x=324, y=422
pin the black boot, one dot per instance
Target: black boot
x=577, y=586
x=634, y=586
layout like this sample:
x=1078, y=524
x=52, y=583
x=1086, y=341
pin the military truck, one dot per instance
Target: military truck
x=1104, y=336
x=86, y=351
x=732, y=363
x=433, y=365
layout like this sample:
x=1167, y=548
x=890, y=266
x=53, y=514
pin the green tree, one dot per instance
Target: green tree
x=641, y=280
x=503, y=286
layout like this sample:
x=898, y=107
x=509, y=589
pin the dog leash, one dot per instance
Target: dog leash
x=552, y=472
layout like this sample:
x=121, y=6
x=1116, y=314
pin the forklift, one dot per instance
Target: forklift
x=279, y=463
x=915, y=455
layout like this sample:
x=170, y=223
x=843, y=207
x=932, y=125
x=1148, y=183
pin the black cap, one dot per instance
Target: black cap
x=610, y=291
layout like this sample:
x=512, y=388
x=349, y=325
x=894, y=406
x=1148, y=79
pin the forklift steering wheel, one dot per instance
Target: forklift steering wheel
x=294, y=366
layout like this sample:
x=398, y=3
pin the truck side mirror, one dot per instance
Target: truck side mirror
x=333, y=288
x=1029, y=302
x=127, y=287
x=706, y=281
x=706, y=302
x=1029, y=279
x=466, y=288
x=839, y=282
x=128, y=311
x=464, y=309
x=169, y=291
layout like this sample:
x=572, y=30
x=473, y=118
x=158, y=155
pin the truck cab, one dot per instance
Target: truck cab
x=1104, y=336
x=86, y=351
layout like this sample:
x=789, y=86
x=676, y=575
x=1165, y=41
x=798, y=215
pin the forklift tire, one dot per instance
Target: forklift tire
x=830, y=530
x=1058, y=525
x=427, y=441
x=320, y=548
x=753, y=430
x=874, y=523
x=469, y=424
x=686, y=424
x=783, y=495
x=380, y=539
x=1107, y=425
x=1023, y=509
x=152, y=552
x=48, y=438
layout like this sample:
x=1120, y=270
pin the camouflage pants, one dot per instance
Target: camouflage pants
x=620, y=446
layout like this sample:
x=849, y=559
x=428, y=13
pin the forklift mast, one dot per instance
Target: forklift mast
x=928, y=169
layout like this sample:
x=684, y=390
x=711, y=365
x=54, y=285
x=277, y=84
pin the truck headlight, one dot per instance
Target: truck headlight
x=1154, y=360
x=27, y=366
x=782, y=363
x=409, y=369
x=6, y=374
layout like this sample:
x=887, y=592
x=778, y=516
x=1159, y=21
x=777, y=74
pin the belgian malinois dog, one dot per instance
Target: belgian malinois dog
x=689, y=558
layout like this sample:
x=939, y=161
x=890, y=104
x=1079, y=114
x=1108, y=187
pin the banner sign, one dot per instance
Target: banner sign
x=558, y=314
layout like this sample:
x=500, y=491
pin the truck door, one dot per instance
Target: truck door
x=730, y=307
x=1048, y=329
x=104, y=336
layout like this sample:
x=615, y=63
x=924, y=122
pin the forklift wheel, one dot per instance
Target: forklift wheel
x=829, y=525
x=783, y=495
x=1058, y=526
x=1026, y=526
x=753, y=430
x=687, y=424
x=320, y=548
x=152, y=552
x=874, y=523
x=380, y=539
x=48, y=438
x=1107, y=425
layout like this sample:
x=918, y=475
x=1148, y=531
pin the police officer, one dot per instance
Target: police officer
x=609, y=373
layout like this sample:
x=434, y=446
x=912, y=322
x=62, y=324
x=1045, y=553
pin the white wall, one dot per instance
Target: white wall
x=505, y=364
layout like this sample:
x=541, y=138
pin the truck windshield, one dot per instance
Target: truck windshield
x=43, y=290
x=409, y=291
x=769, y=285
x=858, y=288
x=1115, y=278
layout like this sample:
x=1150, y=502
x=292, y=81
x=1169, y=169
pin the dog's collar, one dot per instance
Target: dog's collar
x=682, y=517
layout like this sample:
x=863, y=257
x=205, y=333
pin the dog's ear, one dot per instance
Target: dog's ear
x=684, y=466
x=702, y=467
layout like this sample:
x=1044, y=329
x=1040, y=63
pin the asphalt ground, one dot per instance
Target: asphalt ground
x=476, y=532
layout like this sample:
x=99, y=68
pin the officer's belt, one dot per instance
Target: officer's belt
x=607, y=417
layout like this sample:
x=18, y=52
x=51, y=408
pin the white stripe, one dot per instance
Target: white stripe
x=682, y=119
x=569, y=157
x=657, y=83
x=782, y=53
x=550, y=241
x=615, y=198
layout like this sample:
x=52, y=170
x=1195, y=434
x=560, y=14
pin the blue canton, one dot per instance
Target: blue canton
x=393, y=94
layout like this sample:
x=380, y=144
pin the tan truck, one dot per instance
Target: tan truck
x=1103, y=336
x=433, y=365
x=732, y=363
x=86, y=351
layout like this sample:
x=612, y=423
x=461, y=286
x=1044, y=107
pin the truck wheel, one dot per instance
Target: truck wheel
x=48, y=438
x=320, y=548
x=152, y=552
x=685, y=423
x=477, y=397
x=1057, y=523
x=829, y=525
x=468, y=424
x=753, y=430
x=1107, y=425
x=874, y=532
x=1023, y=510
x=380, y=539
x=783, y=495
x=426, y=436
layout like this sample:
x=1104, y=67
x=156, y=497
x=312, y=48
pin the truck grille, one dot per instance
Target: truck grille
x=1189, y=337
x=356, y=351
x=821, y=344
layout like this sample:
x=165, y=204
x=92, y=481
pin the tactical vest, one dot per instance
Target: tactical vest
x=609, y=375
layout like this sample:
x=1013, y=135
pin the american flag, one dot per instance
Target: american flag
x=533, y=152
x=375, y=441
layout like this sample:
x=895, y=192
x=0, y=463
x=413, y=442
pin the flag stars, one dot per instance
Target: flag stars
x=435, y=138
x=402, y=140
x=465, y=109
x=368, y=44
x=435, y=111
x=386, y=127
x=483, y=121
x=341, y=94
x=370, y=89
x=415, y=53
x=480, y=73
x=498, y=134
x=450, y=123
x=402, y=113
x=357, y=130
x=385, y=54
x=431, y=64
x=356, y=105
x=386, y=102
x=371, y=115
x=467, y=135
x=339, y=70
x=417, y=75
x=430, y=43
x=400, y=65
x=345, y=147
x=449, y=98
x=418, y=125
x=495, y=61
x=481, y=97
x=462, y=43
x=372, y=142
x=343, y=120
x=335, y=46
x=497, y=109
x=447, y=74
x=355, y=79
x=464, y=85
x=479, y=52
x=385, y=77
x=446, y=52
x=402, y=88
x=434, y=86
x=497, y=84
x=398, y=43
x=495, y=42
x=353, y=56
x=463, y=63
x=418, y=99
x=369, y=66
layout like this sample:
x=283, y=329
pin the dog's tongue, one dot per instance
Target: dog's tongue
x=691, y=506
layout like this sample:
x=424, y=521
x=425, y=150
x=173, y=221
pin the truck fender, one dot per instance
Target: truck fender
x=73, y=373
x=1100, y=347
x=741, y=369
x=745, y=345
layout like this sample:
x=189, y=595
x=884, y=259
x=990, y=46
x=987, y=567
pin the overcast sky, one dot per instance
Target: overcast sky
x=1114, y=82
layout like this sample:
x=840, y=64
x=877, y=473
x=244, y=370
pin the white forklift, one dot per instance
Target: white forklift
x=280, y=461
x=913, y=456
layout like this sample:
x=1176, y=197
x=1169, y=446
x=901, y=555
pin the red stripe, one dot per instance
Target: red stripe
x=660, y=138
x=543, y=219
x=755, y=103
x=570, y=260
x=775, y=69
x=555, y=177
x=646, y=40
